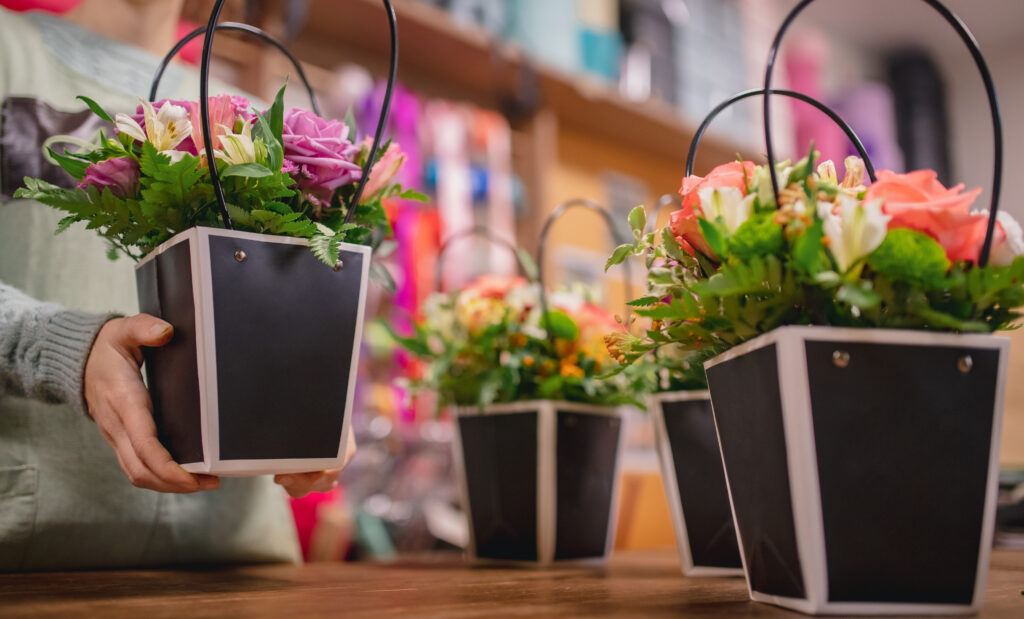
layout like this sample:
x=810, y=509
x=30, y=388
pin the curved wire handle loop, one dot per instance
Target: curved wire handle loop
x=990, y=91
x=556, y=214
x=847, y=129
x=479, y=231
x=237, y=27
x=204, y=108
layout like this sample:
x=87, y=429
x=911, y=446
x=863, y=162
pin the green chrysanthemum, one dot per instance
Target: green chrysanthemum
x=911, y=256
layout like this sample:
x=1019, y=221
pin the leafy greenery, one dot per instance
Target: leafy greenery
x=176, y=195
x=481, y=348
x=780, y=268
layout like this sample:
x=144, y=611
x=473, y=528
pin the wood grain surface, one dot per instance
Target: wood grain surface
x=634, y=584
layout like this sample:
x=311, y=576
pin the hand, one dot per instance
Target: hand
x=118, y=401
x=299, y=485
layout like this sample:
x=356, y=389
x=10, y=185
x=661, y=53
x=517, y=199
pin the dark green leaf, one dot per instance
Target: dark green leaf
x=73, y=166
x=96, y=109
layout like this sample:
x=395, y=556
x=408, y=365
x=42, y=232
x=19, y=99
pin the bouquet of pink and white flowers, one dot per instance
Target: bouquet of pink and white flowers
x=288, y=173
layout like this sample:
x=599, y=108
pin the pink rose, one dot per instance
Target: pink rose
x=318, y=154
x=120, y=175
x=917, y=200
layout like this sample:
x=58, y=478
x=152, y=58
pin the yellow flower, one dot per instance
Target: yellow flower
x=571, y=369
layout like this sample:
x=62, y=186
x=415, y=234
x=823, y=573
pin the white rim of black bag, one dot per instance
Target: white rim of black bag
x=547, y=475
x=668, y=476
x=802, y=463
x=202, y=291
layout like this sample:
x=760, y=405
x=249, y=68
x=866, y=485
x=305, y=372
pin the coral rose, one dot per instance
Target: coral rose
x=734, y=174
x=917, y=200
x=685, y=226
x=494, y=286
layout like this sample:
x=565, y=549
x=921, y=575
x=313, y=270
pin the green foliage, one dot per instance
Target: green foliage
x=758, y=236
x=176, y=195
x=912, y=257
x=508, y=357
x=778, y=268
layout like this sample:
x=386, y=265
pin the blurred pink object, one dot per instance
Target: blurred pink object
x=193, y=50
x=805, y=64
x=53, y=6
x=305, y=512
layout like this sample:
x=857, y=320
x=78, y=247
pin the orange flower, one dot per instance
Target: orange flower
x=917, y=200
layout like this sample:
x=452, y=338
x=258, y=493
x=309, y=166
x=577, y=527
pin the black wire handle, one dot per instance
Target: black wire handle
x=990, y=90
x=237, y=27
x=847, y=129
x=555, y=215
x=204, y=109
x=479, y=231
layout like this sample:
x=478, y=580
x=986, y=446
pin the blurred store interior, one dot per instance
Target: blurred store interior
x=509, y=107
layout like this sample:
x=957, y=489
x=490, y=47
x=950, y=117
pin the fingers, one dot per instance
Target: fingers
x=144, y=330
x=298, y=485
x=118, y=401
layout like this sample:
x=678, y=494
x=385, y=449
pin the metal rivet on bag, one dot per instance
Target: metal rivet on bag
x=964, y=364
x=339, y=266
x=841, y=358
x=240, y=255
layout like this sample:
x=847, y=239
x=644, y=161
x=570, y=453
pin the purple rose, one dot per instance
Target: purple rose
x=318, y=154
x=120, y=175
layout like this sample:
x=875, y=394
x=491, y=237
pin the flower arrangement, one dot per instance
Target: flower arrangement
x=284, y=172
x=490, y=343
x=899, y=253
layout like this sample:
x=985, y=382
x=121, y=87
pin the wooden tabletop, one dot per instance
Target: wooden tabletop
x=632, y=585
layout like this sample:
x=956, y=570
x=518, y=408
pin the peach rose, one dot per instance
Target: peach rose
x=684, y=225
x=734, y=174
x=494, y=286
x=917, y=200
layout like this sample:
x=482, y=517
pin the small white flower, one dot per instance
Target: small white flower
x=165, y=129
x=727, y=203
x=827, y=172
x=237, y=148
x=1004, y=253
x=857, y=230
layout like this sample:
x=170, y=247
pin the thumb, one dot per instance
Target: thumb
x=146, y=330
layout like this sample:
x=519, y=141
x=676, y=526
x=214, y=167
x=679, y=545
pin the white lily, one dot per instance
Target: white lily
x=857, y=230
x=827, y=172
x=727, y=203
x=1004, y=253
x=237, y=147
x=165, y=129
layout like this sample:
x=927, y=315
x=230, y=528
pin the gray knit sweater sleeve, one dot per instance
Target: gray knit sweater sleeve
x=43, y=348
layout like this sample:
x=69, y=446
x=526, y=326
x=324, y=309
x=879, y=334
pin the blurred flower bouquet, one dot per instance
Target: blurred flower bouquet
x=489, y=343
x=530, y=405
x=283, y=172
x=901, y=253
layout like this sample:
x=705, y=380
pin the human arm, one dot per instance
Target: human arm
x=91, y=362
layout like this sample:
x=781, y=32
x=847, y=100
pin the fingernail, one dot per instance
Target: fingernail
x=160, y=330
